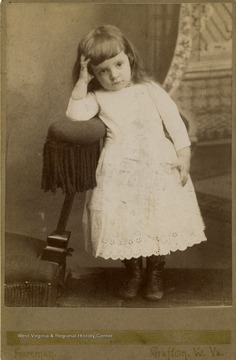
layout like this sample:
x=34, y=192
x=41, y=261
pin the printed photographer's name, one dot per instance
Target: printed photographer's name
x=40, y=355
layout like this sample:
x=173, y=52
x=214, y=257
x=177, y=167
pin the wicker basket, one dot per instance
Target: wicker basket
x=30, y=294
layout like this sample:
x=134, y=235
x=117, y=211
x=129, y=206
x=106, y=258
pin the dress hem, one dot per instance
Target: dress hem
x=147, y=254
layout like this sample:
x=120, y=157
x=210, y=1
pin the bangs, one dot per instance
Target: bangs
x=104, y=49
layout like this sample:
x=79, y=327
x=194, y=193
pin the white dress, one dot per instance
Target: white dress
x=139, y=207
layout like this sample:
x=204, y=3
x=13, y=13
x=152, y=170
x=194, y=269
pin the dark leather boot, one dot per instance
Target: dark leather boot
x=154, y=285
x=134, y=279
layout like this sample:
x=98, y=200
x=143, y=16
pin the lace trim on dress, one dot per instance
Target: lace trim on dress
x=138, y=251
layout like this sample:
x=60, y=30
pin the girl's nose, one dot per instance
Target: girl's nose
x=114, y=74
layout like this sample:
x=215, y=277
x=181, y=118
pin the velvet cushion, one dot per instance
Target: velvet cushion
x=77, y=132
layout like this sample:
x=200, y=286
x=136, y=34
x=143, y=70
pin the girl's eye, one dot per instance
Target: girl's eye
x=102, y=72
x=119, y=64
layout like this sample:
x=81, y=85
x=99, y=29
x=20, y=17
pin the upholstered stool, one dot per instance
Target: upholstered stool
x=35, y=270
x=70, y=159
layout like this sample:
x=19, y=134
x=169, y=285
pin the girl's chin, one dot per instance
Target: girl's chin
x=118, y=86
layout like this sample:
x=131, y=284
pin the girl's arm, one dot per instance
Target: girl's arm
x=177, y=130
x=81, y=88
x=82, y=105
x=83, y=109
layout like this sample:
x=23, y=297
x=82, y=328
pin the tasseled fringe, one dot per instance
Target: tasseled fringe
x=69, y=167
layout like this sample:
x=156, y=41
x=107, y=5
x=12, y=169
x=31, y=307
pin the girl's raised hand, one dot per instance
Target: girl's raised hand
x=81, y=87
x=84, y=73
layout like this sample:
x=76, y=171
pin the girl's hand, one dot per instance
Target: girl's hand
x=183, y=165
x=84, y=73
x=182, y=171
x=183, y=174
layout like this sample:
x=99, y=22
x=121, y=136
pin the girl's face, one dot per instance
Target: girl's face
x=115, y=73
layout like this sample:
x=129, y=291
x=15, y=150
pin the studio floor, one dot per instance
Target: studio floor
x=183, y=288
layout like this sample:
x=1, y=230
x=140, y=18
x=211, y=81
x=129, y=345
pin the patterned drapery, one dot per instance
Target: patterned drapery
x=182, y=51
x=162, y=31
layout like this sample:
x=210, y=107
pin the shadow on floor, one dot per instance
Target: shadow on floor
x=183, y=288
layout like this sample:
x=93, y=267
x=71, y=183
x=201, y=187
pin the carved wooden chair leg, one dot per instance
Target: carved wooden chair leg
x=57, y=242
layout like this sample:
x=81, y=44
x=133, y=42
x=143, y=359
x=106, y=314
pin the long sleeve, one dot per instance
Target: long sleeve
x=84, y=109
x=171, y=118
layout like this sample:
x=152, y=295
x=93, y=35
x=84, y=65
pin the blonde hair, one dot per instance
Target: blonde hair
x=103, y=43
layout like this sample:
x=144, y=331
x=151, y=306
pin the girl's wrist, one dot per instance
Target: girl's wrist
x=81, y=82
x=80, y=90
x=184, y=156
x=184, y=164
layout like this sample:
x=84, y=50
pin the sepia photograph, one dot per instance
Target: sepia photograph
x=117, y=153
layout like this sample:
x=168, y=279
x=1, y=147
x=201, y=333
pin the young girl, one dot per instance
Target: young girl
x=144, y=204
